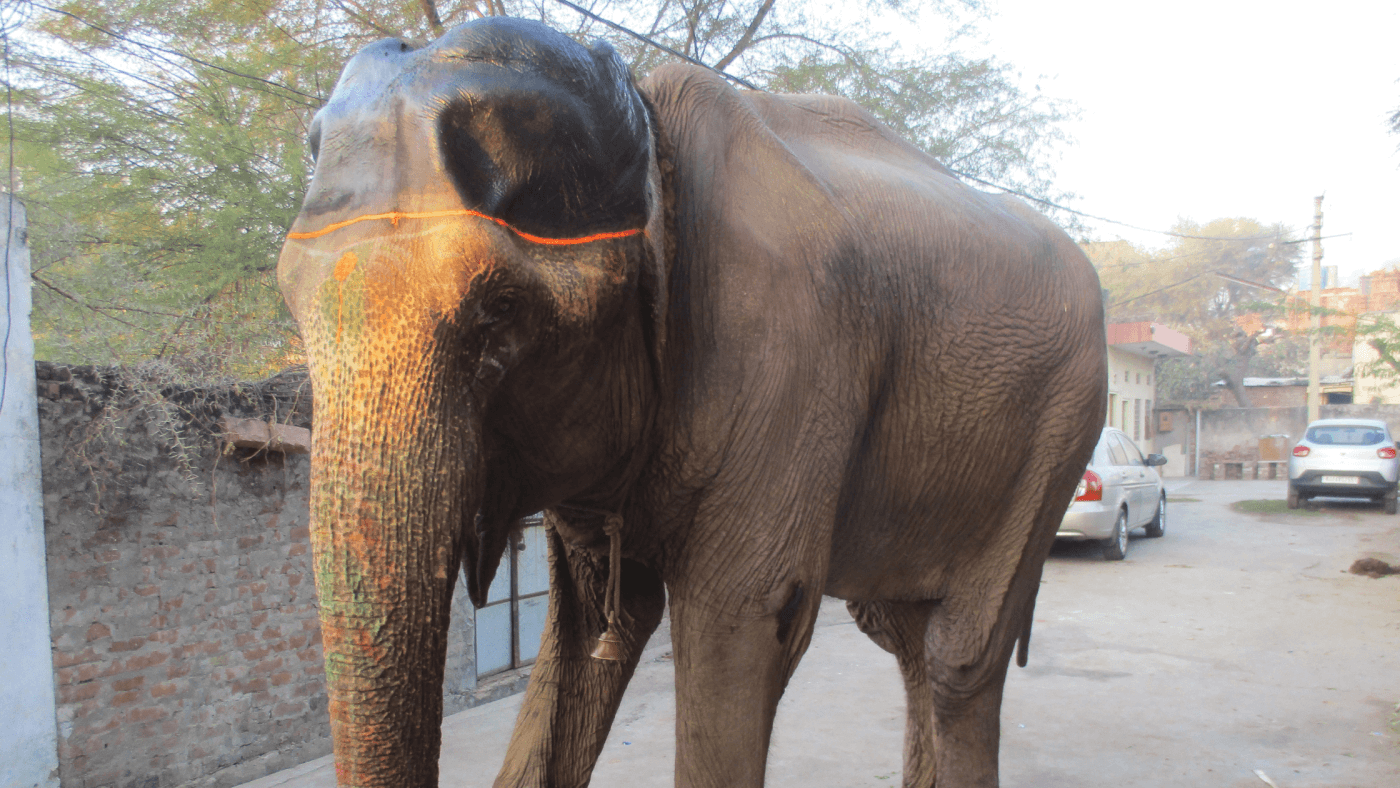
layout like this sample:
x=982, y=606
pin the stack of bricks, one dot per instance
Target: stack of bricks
x=1237, y=463
x=186, y=642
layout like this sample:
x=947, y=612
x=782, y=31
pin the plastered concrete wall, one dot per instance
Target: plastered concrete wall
x=28, y=744
x=1232, y=434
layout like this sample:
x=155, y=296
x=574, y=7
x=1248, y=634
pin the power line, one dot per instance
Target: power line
x=740, y=80
x=177, y=53
x=646, y=39
x=1057, y=206
x=1161, y=289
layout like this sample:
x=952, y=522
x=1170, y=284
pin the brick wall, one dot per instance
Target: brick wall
x=186, y=642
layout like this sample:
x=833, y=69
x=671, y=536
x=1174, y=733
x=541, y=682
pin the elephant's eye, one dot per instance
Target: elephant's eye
x=500, y=308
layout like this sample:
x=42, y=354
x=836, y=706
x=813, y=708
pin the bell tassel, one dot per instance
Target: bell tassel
x=610, y=647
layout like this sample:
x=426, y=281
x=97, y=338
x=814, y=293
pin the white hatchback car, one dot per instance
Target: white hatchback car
x=1346, y=458
x=1120, y=491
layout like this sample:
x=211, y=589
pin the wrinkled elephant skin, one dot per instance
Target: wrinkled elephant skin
x=790, y=351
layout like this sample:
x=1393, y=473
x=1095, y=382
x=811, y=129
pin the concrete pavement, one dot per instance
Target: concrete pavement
x=1236, y=643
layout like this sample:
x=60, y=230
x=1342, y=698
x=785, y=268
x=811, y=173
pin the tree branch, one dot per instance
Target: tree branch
x=430, y=10
x=81, y=302
x=359, y=16
x=746, y=40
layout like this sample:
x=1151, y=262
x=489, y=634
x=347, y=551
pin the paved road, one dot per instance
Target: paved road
x=1238, y=642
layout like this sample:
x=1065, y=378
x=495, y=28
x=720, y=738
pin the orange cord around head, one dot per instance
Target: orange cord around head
x=394, y=217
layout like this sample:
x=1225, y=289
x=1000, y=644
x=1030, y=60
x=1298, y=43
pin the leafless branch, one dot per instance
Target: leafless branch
x=746, y=40
x=430, y=10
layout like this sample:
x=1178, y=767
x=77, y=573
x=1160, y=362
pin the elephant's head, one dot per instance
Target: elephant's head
x=476, y=275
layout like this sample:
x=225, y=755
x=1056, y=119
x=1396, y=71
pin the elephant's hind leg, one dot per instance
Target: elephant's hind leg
x=732, y=666
x=952, y=723
x=901, y=628
x=572, y=698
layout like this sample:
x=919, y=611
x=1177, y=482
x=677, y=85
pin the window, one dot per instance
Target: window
x=510, y=624
x=1347, y=435
x=1134, y=457
x=1147, y=420
x=1115, y=450
x=1137, y=419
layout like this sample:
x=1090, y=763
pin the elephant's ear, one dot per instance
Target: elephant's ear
x=653, y=278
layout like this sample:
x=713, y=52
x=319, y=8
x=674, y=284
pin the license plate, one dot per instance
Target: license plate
x=1341, y=480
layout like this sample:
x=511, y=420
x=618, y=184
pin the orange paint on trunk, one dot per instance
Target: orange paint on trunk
x=343, y=268
x=395, y=217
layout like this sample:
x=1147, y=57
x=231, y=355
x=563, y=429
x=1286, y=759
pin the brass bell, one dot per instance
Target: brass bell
x=609, y=647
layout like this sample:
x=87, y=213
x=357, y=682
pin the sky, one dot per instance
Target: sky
x=1202, y=109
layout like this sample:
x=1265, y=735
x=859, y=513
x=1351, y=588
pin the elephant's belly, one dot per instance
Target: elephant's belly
x=920, y=548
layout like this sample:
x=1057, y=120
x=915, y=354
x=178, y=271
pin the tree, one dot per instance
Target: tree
x=1231, y=324
x=160, y=146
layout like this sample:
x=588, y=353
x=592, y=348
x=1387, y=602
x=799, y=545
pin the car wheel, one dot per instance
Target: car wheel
x=1116, y=547
x=1389, y=502
x=1158, y=526
x=1294, y=500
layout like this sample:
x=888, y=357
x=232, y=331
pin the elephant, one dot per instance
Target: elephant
x=746, y=350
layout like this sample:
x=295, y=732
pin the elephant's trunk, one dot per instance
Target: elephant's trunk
x=394, y=478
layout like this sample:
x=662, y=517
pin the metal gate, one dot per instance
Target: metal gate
x=509, y=625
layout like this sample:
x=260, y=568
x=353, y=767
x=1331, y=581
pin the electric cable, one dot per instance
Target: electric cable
x=647, y=40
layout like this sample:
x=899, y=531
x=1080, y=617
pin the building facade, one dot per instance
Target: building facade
x=1133, y=350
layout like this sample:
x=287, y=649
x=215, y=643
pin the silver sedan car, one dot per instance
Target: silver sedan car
x=1120, y=491
x=1347, y=458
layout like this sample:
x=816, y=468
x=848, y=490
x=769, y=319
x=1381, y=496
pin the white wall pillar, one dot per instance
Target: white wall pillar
x=28, y=735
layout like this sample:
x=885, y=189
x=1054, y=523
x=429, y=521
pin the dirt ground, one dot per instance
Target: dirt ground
x=1236, y=645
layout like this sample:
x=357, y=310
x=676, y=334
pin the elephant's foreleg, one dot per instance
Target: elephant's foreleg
x=572, y=697
x=732, y=665
x=901, y=628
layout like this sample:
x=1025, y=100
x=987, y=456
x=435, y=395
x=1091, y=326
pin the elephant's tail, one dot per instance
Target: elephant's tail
x=1023, y=643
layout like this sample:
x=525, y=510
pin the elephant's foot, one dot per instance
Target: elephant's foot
x=968, y=733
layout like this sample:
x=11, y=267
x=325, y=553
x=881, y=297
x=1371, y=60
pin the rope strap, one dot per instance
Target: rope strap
x=612, y=526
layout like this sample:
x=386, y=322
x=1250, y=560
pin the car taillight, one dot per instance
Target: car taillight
x=1301, y=451
x=1387, y=453
x=1090, y=488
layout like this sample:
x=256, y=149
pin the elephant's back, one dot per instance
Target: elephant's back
x=885, y=237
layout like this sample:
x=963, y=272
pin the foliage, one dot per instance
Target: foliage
x=1232, y=325
x=1381, y=332
x=160, y=146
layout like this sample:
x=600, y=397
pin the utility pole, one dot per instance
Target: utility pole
x=1315, y=337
